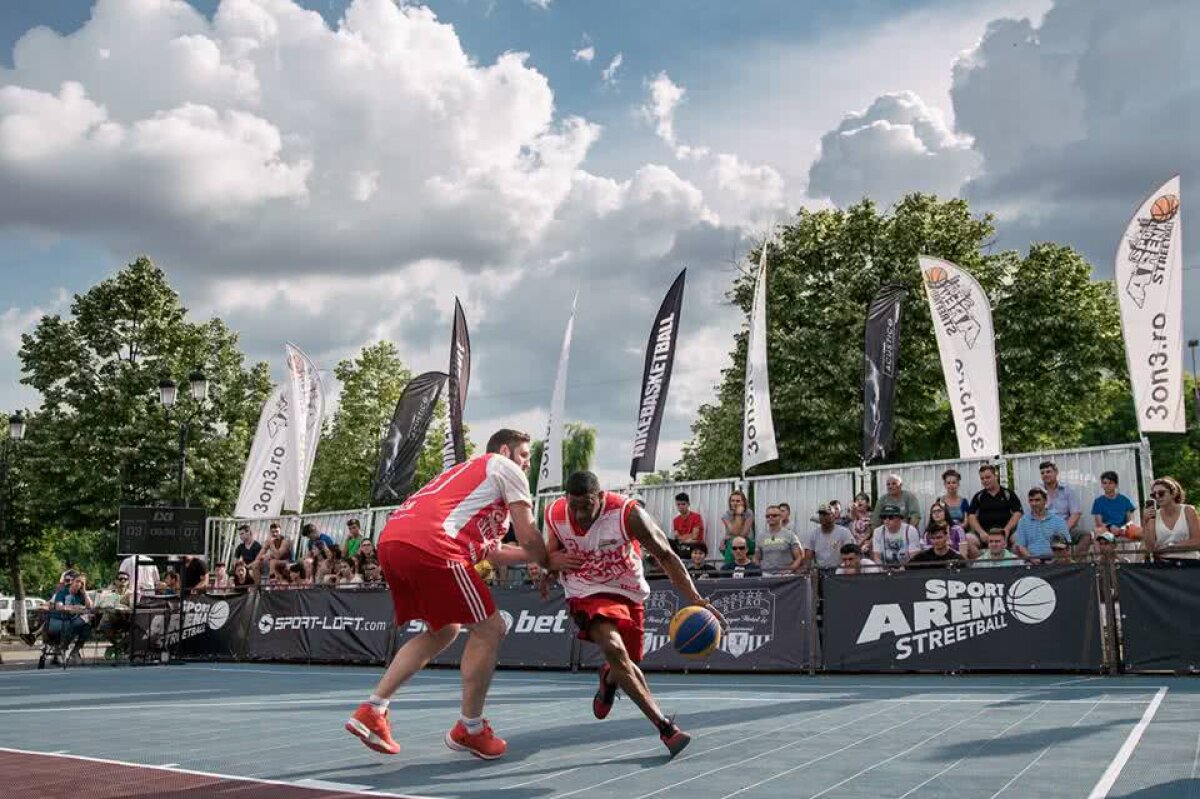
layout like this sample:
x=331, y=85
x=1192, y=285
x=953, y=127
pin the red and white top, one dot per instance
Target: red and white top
x=612, y=561
x=462, y=513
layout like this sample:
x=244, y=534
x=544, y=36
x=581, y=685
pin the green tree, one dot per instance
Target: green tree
x=578, y=451
x=1058, y=337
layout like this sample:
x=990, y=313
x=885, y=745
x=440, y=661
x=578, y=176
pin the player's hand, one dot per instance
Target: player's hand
x=704, y=603
x=563, y=561
x=544, y=583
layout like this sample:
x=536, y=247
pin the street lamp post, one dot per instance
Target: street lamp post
x=168, y=393
x=1195, y=379
x=16, y=432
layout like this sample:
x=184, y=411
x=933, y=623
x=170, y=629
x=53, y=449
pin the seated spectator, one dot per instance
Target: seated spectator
x=366, y=554
x=1106, y=547
x=741, y=565
x=698, y=565
x=354, y=538
x=786, y=521
x=69, y=622
x=242, y=576
x=372, y=574
x=894, y=541
x=1060, y=551
x=316, y=539
x=688, y=525
x=297, y=577
x=738, y=522
x=219, y=580
x=939, y=519
x=278, y=554
x=852, y=561
x=123, y=590
x=170, y=585
x=825, y=541
x=1114, y=512
x=860, y=523
x=957, y=507
x=997, y=553
x=147, y=573
x=779, y=550
x=1174, y=526
x=993, y=505
x=194, y=577
x=1037, y=531
x=897, y=496
x=248, y=550
x=939, y=552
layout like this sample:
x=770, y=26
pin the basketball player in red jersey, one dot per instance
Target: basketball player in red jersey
x=427, y=552
x=606, y=591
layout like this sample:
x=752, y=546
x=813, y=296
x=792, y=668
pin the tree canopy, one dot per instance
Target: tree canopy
x=578, y=450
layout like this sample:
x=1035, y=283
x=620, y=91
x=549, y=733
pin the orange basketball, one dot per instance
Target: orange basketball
x=935, y=274
x=1164, y=208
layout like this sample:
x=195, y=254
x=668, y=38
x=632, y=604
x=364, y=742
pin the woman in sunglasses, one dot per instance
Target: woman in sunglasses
x=1175, y=525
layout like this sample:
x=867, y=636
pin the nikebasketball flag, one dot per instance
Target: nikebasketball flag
x=656, y=378
x=550, y=472
x=406, y=439
x=962, y=320
x=306, y=406
x=1149, y=278
x=880, y=370
x=261, y=494
x=758, y=429
x=455, y=450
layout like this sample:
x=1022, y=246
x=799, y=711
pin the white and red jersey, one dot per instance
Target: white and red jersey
x=612, y=561
x=462, y=514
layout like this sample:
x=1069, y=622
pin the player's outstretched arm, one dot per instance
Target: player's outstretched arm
x=646, y=532
x=528, y=536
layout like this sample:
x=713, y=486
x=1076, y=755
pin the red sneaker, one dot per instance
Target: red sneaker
x=373, y=729
x=675, y=739
x=484, y=744
x=606, y=694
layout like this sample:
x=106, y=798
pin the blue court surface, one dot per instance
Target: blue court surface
x=755, y=735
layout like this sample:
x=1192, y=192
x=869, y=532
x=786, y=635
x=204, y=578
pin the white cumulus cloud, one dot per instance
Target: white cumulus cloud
x=609, y=74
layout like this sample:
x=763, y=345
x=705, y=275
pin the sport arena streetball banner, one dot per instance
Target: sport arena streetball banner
x=214, y=626
x=1013, y=619
x=1159, y=605
x=770, y=626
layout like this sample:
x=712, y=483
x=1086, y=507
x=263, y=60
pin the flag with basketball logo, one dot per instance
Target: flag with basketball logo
x=1149, y=278
x=758, y=426
x=962, y=320
x=550, y=471
x=263, y=481
x=656, y=378
x=306, y=407
x=405, y=439
x=880, y=370
x=455, y=449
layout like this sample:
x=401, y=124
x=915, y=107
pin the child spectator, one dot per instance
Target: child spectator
x=354, y=538
x=1114, y=512
x=688, y=525
x=860, y=523
x=698, y=565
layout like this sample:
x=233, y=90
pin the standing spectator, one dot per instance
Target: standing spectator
x=1063, y=501
x=779, y=551
x=147, y=574
x=741, y=565
x=786, y=521
x=860, y=523
x=248, y=550
x=354, y=538
x=825, y=541
x=854, y=563
x=698, y=565
x=897, y=496
x=894, y=541
x=993, y=505
x=1037, y=531
x=939, y=519
x=194, y=577
x=738, y=522
x=997, y=553
x=278, y=552
x=688, y=525
x=219, y=580
x=70, y=607
x=1113, y=511
x=939, y=554
x=957, y=507
x=1175, y=525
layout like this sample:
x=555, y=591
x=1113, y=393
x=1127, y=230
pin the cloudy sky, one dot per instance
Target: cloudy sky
x=334, y=172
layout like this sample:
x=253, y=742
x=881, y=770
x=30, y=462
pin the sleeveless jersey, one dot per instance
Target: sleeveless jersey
x=612, y=560
x=462, y=513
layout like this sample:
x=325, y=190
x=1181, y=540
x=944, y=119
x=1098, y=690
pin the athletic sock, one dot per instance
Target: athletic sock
x=474, y=726
x=378, y=704
x=666, y=726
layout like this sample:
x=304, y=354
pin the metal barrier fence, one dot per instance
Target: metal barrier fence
x=804, y=493
x=1081, y=469
x=924, y=479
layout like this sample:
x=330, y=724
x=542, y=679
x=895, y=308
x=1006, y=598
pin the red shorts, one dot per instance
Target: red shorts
x=628, y=615
x=436, y=591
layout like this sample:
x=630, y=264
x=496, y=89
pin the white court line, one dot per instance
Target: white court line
x=1017, y=776
x=1122, y=757
x=213, y=774
x=1072, y=681
x=1196, y=759
x=186, y=704
x=167, y=765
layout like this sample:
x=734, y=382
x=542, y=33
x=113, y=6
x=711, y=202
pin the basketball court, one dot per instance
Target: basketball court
x=266, y=730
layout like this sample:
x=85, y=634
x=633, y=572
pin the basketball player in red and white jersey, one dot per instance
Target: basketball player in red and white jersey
x=427, y=552
x=606, y=591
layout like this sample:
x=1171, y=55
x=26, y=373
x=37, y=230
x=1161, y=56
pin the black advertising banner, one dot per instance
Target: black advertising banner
x=769, y=626
x=161, y=531
x=656, y=378
x=1159, y=605
x=329, y=625
x=406, y=438
x=540, y=632
x=460, y=379
x=151, y=620
x=880, y=370
x=214, y=626
x=1010, y=619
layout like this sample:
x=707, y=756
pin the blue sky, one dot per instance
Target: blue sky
x=282, y=172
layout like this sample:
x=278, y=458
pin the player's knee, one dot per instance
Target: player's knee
x=613, y=648
x=492, y=628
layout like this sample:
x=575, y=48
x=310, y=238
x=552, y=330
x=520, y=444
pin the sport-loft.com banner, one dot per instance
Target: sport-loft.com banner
x=1019, y=619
